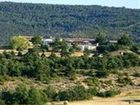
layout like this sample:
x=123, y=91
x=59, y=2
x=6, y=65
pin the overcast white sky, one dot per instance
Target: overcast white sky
x=116, y=3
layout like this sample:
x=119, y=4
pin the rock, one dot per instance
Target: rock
x=65, y=103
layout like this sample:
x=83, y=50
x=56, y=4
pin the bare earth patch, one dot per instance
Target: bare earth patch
x=109, y=101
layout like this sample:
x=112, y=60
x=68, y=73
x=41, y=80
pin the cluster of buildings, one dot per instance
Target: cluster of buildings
x=82, y=43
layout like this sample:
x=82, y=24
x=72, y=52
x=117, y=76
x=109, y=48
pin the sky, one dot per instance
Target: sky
x=114, y=3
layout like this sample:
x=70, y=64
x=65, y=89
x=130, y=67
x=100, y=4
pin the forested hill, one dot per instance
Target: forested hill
x=63, y=20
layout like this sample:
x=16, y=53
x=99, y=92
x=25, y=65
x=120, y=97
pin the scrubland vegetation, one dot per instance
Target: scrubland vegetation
x=86, y=76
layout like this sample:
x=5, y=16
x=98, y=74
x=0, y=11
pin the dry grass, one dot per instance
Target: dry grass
x=94, y=102
x=78, y=54
x=12, y=50
x=121, y=99
x=119, y=52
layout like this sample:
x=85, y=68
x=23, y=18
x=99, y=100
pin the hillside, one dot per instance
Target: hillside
x=39, y=75
x=63, y=20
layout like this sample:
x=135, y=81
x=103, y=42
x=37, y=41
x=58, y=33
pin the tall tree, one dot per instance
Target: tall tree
x=101, y=38
x=125, y=40
x=20, y=43
x=37, y=40
x=36, y=97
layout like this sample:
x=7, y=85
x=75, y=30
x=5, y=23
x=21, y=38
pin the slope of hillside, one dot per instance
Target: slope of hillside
x=63, y=20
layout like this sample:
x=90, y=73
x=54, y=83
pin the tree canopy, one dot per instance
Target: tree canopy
x=37, y=40
x=63, y=20
x=125, y=40
x=20, y=43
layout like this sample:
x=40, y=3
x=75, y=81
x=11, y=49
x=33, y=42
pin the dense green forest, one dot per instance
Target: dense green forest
x=63, y=20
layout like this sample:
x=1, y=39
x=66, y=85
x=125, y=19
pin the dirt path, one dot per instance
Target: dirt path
x=109, y=101
x=105, y=101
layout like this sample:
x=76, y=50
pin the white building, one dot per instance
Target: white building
x=88, y=46
x=113, y=41
x=83, y=44
x=47, y=41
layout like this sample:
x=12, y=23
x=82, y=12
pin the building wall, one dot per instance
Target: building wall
x=89, y=47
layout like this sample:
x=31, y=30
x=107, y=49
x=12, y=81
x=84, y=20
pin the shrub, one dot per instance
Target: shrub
x=4, y=79
x=2, y=102
x=75, y=93
x=125, y=81
x=51, y=93
x=109, y=93
x=92, y=81
x=93, y=91
x=102, y=73
x=23, y=96
x=136, y=74
x=36, y=97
